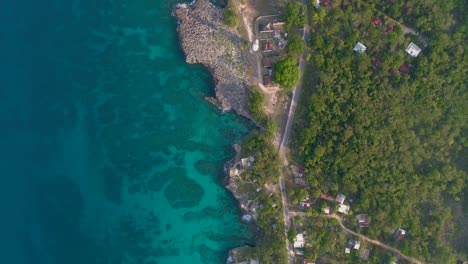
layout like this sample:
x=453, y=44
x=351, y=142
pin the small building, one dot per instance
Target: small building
x=362, y=220
x=354, y=244
x=299, y=241
x=267, y=63
x=344, y=209
x=247, y=162
x=266, y=28
x=364, y=255
x=305, y=204
x=357, y=245
x=233, y=172
x=267, y=80
x=404, y=68
x=309, y=261
x=347, y=250
x=317, y=4
x=375, y=21
x=267, y=47
x=359, y=48
x=256, y=45
x=413, y=50
x=326, y=197
x=340, y=198
x=254, y=261
x=399, y=234
x=325, y=3
x=389, y=29
x=300, y=181
x=326, y=210
x=298, y=171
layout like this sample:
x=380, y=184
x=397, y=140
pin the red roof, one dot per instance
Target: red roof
x=389, y=29
x=404, y=68
x=325, y=3
x=376, y=21
x=268, y=46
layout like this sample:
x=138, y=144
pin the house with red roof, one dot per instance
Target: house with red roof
x=267, y=47
x=404, y=68
x=389, y=29
x=376, y=21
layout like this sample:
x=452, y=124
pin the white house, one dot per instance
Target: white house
x=340, y=198
x=413, y=50
x=344, y=209
x=256, y=45
x=317, y=4
x=299, y=241
x=357, y=245
x=360, y=48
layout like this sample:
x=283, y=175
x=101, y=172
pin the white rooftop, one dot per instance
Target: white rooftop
x=413, y=50
x=326, y=210
x=344, y=209
x=357, y=245
x=340, y=198
x=299, y=241
x=360, y=48
x=255, y=45
x=347, y=250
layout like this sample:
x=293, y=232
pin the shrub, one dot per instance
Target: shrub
x=231, y=16
x=295, y=45
x=287, y=72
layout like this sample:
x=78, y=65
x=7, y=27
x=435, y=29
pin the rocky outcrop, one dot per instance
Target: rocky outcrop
x=206, y=40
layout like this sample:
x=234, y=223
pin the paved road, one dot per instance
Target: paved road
x=285, y=141
x=375, y=242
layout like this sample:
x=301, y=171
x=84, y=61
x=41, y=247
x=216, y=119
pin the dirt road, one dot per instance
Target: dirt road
x=372, y=241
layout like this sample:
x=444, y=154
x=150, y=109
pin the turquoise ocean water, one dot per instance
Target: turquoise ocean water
x=109, y=153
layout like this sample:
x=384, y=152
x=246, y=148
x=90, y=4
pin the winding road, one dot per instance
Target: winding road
x=372, y=241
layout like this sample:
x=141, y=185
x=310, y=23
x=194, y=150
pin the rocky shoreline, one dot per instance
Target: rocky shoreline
x=206, y=40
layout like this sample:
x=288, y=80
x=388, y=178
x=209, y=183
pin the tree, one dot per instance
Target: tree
x=287, y=72
x=231, y=16
x=295, y=45
x=255, y=99
x=294, y=15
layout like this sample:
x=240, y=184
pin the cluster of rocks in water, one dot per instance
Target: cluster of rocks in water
x=206, y=40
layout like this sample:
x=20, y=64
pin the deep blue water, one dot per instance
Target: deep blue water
x=108, y=152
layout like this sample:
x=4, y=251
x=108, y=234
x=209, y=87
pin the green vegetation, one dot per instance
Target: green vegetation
x=294, y=15
x=255, y=98
x=296, y=45
x=393, y=141
x=286, y=72
x=265, y=170
x=231, y=15
x=271, y=246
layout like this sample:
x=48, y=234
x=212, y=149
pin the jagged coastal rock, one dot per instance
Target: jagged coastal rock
x=206, y=40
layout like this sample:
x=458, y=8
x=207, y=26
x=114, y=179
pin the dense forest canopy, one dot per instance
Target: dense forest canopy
x=388, y=129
